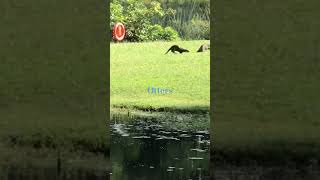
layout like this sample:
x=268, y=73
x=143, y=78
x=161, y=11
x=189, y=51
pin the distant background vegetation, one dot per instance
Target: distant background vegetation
x=151, y=20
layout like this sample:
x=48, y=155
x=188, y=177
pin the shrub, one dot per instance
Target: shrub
x=137, y=16
x=170, y=34
x=157, y=32
x=197, y=29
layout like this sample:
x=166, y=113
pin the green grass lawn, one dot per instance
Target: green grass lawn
x=136, y=66
x=266, y=90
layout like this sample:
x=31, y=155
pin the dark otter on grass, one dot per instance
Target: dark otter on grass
x=175, y=48
x=204, y=47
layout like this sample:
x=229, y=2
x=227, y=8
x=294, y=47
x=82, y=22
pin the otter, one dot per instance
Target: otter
x=204, y=47
x=175, y=48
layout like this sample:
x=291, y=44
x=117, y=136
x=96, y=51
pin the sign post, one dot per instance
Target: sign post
x=119, y=32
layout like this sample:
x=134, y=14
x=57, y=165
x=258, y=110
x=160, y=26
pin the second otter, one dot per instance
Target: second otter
x=204, y=47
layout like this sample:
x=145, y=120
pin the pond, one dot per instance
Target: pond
x=142, y=149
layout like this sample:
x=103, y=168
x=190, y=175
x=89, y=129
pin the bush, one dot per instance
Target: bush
x=197, y=29
x=170, y=34
x=137, y=16
x=157, y=32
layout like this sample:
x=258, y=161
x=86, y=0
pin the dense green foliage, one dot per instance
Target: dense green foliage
x=137, y=15
x=190, y=18
x=153, y=20
x=136, y=66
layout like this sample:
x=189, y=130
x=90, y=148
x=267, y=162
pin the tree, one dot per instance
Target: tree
x=137, y=16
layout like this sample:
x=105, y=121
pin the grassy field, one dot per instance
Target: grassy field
x=53, y=75
x=136, y=66
x=266, y=91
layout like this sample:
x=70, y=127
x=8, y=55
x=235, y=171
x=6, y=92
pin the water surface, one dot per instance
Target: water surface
x=147, y=150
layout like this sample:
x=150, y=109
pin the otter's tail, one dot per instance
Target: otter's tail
x=167, y=51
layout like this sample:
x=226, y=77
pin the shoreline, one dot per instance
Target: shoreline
x=165, y=109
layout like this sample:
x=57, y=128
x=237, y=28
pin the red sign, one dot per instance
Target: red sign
x=119, y=31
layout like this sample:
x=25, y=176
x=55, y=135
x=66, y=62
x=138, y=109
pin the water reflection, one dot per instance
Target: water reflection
x=143, y=149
